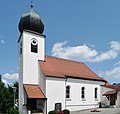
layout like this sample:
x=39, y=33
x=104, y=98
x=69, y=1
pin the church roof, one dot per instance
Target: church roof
x=34, y=91
x=57, y=67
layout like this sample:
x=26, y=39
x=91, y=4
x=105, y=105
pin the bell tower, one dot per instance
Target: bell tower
x=31, y=50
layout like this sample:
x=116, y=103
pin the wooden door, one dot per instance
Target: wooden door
x=112, y=99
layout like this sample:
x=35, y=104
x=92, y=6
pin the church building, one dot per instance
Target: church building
x=46, y=81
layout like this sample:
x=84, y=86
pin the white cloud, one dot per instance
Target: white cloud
x=5, y=82
x=85, y=53
x=117, y=64
x=82, y=52
x=2, y=41
x=8, y=76
x=113, y=74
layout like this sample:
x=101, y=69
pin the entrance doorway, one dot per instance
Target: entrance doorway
x=37, y=105
x=112, y=99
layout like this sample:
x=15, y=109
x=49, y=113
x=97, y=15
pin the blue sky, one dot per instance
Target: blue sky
x=82, y=30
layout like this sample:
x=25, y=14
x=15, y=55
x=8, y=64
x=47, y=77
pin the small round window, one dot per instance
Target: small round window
x=34, y=42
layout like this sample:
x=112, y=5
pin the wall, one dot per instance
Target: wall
x=21, y=93
x=118, y=100
x=28, y=63
x=55, y=92
x=76, y=102
x=30, y=59
x=42, y=80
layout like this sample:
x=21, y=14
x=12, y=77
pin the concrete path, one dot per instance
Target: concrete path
x=101, y=111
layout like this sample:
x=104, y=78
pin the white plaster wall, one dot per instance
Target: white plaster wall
x=28, y=63
x=30, y=59
x=55, y=92
x=104, y=98
x=41, y=80
x=76, y=102
x=118, y=100
x=21, y=89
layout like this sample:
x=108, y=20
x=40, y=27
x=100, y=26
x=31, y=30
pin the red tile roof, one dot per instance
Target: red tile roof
x=57, y=67
x=33, y=91
x=110, y=92
x=108, y=85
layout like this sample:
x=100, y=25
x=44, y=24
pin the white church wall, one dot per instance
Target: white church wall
x=55, y=92
x=28, y=63
x=21, y=93
x=30, y=59
x=41, y=80
x=76, y=102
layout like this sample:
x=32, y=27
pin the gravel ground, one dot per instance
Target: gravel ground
x=101, y=111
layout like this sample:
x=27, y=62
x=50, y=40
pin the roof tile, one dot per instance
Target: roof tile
x=33, y=91
x=110, y=93
x=58, y=67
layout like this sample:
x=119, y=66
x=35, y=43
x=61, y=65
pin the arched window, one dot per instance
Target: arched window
x=34, y=45
x=67, y=91
x=96, y=92
x=83, y=92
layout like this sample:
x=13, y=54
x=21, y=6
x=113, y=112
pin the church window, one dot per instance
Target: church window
x=67, y=91
x=96, y=91
x=34, y=45
x=83, y=92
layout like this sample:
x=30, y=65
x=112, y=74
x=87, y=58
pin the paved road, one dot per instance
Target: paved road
x=101, y=111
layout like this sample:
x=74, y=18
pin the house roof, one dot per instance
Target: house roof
x=108, y=85
x=57, y=67
x=33, y=91
x=110, y=92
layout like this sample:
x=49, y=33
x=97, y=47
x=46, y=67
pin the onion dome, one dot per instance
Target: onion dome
x=31, y=21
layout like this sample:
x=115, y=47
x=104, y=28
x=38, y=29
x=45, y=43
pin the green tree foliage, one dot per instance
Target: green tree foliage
x=66, y=111
x=12, y=111
x=6, y=96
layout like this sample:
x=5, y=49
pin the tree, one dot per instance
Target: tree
x=6, y=96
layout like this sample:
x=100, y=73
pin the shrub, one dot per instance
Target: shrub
x=12, y=111
x=66, y=111
x=52, y=112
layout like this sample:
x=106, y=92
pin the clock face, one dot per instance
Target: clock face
x=34, y=42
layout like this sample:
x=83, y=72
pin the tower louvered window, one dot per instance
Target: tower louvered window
x=34, y=45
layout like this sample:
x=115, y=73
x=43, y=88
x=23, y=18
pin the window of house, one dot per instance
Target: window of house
x=96, y=92
x=34, y=45
x=67, y=91
x=83, y=92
